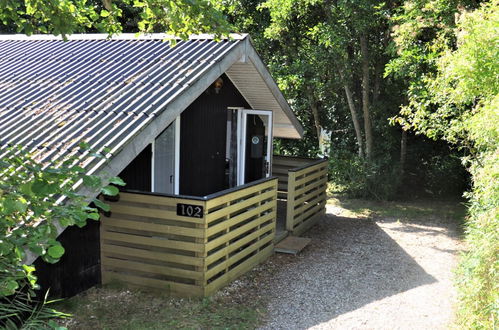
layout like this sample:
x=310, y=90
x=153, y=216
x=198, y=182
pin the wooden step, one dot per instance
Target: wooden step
x=292, y=244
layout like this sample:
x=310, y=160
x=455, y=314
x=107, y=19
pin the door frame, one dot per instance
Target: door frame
x=242, y=118
x=176, y=178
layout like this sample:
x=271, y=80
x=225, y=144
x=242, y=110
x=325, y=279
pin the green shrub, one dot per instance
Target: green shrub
x=359, y=178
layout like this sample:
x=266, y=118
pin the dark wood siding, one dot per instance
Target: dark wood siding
x=79, y=267
x=137, y=175
x=203, y=138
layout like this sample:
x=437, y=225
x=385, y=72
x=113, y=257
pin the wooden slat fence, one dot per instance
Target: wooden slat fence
x=144, y=242
x=280, y=167
x=303, y=183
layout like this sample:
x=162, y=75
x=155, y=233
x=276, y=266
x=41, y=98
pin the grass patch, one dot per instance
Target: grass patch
x=120, y=308
x=401, y=210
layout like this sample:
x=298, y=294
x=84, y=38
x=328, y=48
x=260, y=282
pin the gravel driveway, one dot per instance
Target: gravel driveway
x=360, y=273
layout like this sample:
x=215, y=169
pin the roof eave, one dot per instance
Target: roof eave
x=272, y=85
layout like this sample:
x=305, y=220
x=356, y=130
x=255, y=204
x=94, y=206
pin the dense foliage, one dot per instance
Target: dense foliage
x=37, y=200
x=454, y=95
x=64, y=17
x=328, y=57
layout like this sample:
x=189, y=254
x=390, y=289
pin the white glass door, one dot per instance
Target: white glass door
x=254, y=129
x=165, y=160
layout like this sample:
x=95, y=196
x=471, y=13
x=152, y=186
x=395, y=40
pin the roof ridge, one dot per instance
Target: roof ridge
x=122, y=36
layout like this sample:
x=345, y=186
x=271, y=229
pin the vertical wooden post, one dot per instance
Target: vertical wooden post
x=204, y=267
x=103, y=277
x=274, y=207
x=227, y=243
x=290, y=205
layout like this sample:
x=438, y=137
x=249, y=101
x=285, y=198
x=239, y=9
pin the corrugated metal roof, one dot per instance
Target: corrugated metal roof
x=54, y=94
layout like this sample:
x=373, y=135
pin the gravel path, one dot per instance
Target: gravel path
x=360, y=273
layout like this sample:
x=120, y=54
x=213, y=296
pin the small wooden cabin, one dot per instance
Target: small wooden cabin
x=190, y=129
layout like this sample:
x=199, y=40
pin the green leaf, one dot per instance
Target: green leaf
x=117, y=181
x=110, y=191
x=37, y=249
x=84, y=145
x=104, y=13
x=5, y=248
x=55, y=251
x=12, y=206
x=92, y=181
x=103, y=206
x=8, y=287
x=25, y=188
x=93, y=216
x=28, y=269
x=37, y=186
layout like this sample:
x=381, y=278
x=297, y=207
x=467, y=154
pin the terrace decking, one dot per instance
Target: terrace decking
x=192, y=246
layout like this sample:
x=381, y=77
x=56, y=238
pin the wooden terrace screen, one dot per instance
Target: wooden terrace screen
x=188, y=246
x=303, y=183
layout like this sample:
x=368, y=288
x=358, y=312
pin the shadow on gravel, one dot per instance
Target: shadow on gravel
x=351, y=262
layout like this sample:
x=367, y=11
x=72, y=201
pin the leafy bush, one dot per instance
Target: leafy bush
x=22, y=311
x=357, y=177
x=479, y=269
x=455, y=97
x=37, y=199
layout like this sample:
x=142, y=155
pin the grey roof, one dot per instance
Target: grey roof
x=54, y=94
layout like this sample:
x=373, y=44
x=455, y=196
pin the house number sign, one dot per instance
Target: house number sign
x=189, y=210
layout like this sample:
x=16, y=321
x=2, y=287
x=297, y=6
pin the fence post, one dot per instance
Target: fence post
x=290, y=207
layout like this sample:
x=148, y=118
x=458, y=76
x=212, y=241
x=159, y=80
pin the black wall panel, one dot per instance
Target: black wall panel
x=203, y=139
x=137, y=175
x=79, y=267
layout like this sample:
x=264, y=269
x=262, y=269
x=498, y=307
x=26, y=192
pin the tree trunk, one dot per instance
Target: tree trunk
x=353, y=113
x=403, y=153
x=315, y=112
x=365, y=96
x=378, y=72
x=378, y=69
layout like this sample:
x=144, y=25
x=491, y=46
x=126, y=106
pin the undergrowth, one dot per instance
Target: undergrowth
x=120, y=308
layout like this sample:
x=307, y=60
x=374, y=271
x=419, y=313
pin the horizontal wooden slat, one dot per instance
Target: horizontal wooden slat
x=153, y=227
x=309, y=212
x=306, y=205
x=114, y=250
x=309, y=197
x=238, y=256
x=239, y=270
x=157, y=200
x=282, y=186
x=236, y=245
x=290, y=161
x=311, y=166
x=238, y=206
x=196, y=247
x=280, y=171
x=306, y=189
x=132, y=266
x=180, y=289
x=309, y=177
x=234, y=233
x=304, y=226
x=241, y=217
x=152, y=213
x=240, y=193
